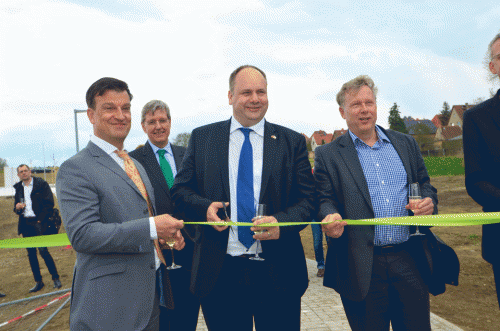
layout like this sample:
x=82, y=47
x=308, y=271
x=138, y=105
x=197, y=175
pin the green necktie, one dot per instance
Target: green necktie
x=165, y=168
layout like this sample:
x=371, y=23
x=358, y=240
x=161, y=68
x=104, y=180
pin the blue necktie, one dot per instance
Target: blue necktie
x=244, y=189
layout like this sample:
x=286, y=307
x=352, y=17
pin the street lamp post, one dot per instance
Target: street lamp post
x=76, y=128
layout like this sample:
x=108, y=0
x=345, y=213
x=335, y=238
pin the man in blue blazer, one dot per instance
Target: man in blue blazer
x=481, y=134
x=156, y=123
x=365, y=174
x=243, y=162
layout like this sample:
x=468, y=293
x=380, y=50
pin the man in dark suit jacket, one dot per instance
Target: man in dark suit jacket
x=156, y=123
x=34, y=211
x=234, y=289
x=365, y=174
x=481, y=138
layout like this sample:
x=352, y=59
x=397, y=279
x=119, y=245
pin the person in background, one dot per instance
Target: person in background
x=161, y=160
x=317, y=233
x=34, y=203
x=481, y=140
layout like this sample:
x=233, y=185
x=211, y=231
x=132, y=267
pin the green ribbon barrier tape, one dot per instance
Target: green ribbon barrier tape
x=61, y=239
x=426, y=220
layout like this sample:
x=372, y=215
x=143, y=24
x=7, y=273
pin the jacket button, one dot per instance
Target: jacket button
x=152, y=266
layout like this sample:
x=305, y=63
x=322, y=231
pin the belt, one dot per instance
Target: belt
x=244, y=256
x=388, y=249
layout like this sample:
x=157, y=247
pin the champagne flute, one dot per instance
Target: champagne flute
x=171, y=242
x=414, y=198
x=260, y=212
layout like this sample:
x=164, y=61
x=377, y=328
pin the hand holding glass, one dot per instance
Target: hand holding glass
x=260, y=212
x=171, y=242
x=414, y=199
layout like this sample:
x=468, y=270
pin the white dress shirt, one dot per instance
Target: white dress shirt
x=28, y=210
x=110, y=150
x=236, y=139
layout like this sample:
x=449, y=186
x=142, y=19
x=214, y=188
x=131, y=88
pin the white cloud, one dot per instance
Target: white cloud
x=484, y=20
x=52, y=51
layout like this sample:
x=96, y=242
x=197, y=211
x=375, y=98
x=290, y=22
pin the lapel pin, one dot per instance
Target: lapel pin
x=273, y=136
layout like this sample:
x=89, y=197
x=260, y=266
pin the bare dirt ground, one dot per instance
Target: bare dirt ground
x=472, y=305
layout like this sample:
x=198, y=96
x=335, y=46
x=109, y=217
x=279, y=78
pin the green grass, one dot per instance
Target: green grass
x=444, y=166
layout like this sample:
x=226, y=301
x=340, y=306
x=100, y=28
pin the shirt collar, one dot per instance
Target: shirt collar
x=30, y=184
x=381, y=136
x=257, y=128
x=167, y=148
x=103, y=144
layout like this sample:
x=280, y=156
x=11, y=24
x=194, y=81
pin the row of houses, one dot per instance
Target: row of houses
x=451, y=131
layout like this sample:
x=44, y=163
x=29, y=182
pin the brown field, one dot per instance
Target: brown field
x=472, y=305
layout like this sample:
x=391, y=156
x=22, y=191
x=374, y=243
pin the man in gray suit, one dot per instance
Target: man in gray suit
x=365, y=174
x=107, y=206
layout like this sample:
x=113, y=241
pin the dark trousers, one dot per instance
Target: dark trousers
x=242, y=295
x=184, y=316
x=496, y=274
x=33, y=229
x=397, y=295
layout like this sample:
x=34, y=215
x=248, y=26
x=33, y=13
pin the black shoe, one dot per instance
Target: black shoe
x=38, y=286
x=57, y=283
x=2, y=295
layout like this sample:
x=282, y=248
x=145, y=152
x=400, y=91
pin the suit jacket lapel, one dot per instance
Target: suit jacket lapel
x=106, y=161
x=271, y=139
x=222, y=155
x=351, y=158
x=495, y=111
x=153, y=169
x=178, y=156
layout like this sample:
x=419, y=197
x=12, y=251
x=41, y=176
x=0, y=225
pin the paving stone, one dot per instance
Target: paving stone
x=322, y=309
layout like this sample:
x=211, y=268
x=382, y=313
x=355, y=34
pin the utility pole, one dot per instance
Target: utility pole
x=43, y=148
x=76, y=127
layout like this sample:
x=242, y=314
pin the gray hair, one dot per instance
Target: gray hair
x=355, y=85
x=488, y=57
x=153, y=106
x=232, y=78
x=490, y=50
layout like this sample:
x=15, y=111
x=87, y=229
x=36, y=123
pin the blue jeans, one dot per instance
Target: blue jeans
x=318, y=245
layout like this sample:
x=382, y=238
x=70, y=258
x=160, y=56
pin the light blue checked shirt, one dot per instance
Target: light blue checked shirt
x=388, y=186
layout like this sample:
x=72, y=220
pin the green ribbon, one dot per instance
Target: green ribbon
x=61, y=239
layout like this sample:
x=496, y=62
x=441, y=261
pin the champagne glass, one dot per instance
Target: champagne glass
x=414, y=198
x=260, y=212
x=171, y=242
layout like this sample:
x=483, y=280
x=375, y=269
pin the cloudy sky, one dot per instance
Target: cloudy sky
x=420, y=54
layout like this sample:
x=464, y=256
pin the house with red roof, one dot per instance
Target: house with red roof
x=449, y=132
x=319, y=138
